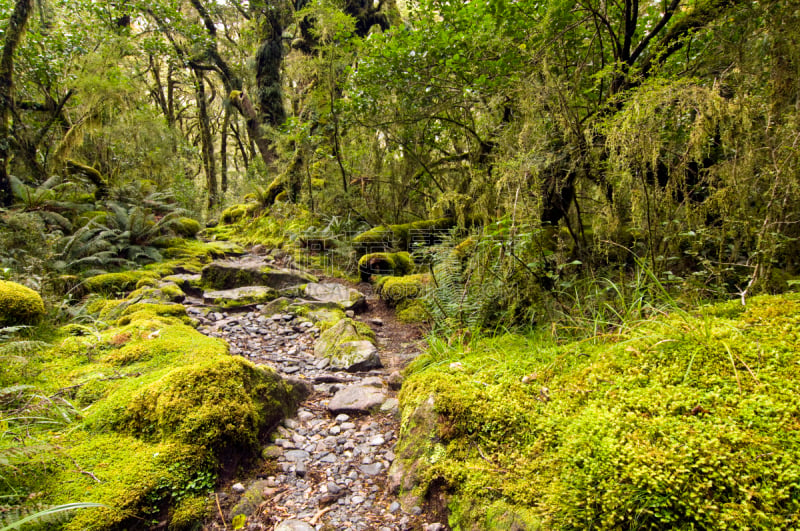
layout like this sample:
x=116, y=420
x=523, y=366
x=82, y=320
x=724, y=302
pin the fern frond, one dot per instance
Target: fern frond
x=50, y=515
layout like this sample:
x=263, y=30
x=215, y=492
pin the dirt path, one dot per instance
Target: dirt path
x=324, y=470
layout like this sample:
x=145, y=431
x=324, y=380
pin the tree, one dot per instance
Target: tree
x=13, y=36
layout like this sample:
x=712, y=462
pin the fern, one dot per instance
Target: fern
x=16, y=517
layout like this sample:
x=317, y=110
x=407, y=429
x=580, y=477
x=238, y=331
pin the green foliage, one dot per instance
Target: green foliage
x=682, y=421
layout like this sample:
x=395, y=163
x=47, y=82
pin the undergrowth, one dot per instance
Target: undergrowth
x=681, y=420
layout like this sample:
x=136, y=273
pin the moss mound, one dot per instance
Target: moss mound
x=404, y=235
x=395, y=290
x=158, y=406
x=384, y=264
x=111, y=283
x=187, y=227
x=688, y=421
x=19, y=305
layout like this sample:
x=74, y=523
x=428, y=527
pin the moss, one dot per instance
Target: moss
x=674, y=423
x=160, y=291
x=141, y=311
x=135, y=479
x=187, y=227
x=19, y=305
x=395, y=290
x=198, y=252
x=111, y=283
x=343, y=331
x=384, y=264
x=220, y=404
x=403, y=236
x=237, y=297
x=412, y=311
x=189, y=513
x=235, y=213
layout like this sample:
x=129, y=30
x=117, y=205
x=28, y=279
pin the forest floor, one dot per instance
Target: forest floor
x=324, y=469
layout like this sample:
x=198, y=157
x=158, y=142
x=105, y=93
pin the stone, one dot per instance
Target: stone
x=294, y=525
x=435, y=527
x=297, y=455
x=251, y=271
x=375, y=381
x=372, y=469
x=187, y=283
x=238, y=488
x=230, y=298
x=344, y=297
x=394, y=507
x=349, y=346
x=301, y=469
x=251, y=499
x=392, y=405
x=395, y=381
x=361, y=398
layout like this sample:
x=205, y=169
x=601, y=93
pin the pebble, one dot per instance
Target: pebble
x=322, y=458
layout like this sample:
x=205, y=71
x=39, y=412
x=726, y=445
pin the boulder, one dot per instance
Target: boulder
x=348, y=345
x=251, y=271
x=243, y=296
x=358, y=398
x=187, y=282
x=342, y=296
x=19, y=305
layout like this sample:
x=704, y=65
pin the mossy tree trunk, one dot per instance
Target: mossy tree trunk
x=206, y=139
x=13, y=37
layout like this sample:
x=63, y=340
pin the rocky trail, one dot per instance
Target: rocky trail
x=327, y=467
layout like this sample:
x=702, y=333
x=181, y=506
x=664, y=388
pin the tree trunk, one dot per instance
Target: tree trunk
x=242, y=102
x=223, y=149
x=14, y=34
x=207, y=142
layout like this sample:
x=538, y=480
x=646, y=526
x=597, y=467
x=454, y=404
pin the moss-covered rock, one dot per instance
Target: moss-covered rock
x=161, y=406
x=384, y=264
x=395, y=290
x=403, y=236
x=187, y=227
x=229, y=274
x=111, y=283
x=412, y=311
x=159, y=291
x=235, y=213
x=244, y=296
x=19, y=305
x=348, y=345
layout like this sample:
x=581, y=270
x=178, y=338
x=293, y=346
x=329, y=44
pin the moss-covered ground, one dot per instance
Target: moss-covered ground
x=137, y=415
x=687, y=421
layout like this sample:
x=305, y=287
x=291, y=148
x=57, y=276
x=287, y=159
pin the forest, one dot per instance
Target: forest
x=588, y=209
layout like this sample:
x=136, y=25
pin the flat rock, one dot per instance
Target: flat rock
x=252, y=271
x=188, y=283
x=243, y=296
x=293, y=525
x=342, y=296
x=356, y=398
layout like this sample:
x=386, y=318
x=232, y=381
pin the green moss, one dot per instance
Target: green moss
x=161, y=405
x=19, y=305
x=198, y=253
x=674, y=424
x=402, y=236
x=412, y=311
x=395, y=290
x=218, y=404
x=187, y=227
x=189, y=513
x=235, y=213
x=111, y=283
x=160, y=291
x=135, y=479
x=384, y=264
